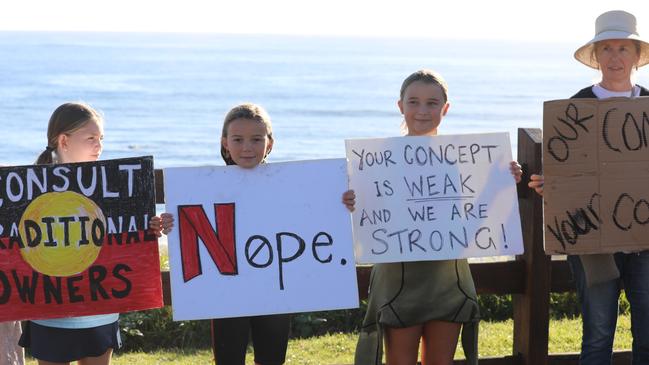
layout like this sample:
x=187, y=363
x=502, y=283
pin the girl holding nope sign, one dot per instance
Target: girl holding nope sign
x=246, y=141
x=429, y=300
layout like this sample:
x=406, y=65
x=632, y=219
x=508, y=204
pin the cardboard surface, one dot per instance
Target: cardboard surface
x=596, y=167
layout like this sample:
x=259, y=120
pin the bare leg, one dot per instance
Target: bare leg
x=402, y=345
x=439, y=342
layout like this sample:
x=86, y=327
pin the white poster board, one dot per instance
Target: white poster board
x=433, y=198
x=268, y=240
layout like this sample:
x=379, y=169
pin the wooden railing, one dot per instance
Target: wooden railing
x=530, y=278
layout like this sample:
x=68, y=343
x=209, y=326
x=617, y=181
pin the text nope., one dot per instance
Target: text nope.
x=260, y=251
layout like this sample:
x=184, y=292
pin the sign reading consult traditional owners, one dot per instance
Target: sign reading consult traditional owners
x=268, y=240
x=596, y=166
x=433, y=198
x=74, y=239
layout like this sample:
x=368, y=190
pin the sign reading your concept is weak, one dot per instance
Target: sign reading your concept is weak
x=74, y=239
x=596, y=167
x=433, y=198
x=272, y=239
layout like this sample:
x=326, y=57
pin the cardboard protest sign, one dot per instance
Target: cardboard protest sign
x=267, y=240
x=433, y=198
x=596, y=169
x=74, y=240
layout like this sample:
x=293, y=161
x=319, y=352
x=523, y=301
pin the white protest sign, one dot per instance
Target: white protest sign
x=273, y=239
x=433, y=198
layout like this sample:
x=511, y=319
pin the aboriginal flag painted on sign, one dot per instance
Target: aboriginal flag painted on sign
x=74, y=239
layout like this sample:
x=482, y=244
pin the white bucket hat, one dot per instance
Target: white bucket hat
x=615, y=24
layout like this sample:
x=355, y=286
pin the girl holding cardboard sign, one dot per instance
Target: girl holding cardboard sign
x=429, y=300
x=75, y=134
x=616, y=50
x=246, y=141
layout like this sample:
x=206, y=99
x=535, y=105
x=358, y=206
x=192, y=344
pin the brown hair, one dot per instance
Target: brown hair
x=66, y=119
x=245, y=111
x=427, y=76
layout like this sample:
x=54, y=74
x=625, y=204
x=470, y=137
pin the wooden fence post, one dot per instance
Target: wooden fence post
x=531, y=309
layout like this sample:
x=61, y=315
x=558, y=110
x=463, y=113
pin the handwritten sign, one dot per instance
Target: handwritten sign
x=433, y=198
x=268, y=240
x=74, y=239
x=596, y=166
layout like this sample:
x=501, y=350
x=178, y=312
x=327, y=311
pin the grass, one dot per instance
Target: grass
x=496, y=339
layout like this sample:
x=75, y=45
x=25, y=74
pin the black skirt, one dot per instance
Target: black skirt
x=67, y=344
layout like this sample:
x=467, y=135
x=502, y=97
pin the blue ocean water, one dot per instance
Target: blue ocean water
x=166, y=94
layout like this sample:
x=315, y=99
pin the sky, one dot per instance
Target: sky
x=548, y=20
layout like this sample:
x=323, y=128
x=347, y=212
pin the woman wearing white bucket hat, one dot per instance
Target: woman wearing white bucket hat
x=617, y=50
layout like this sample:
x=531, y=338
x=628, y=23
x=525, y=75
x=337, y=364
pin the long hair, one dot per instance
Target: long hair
x=245, y=111
x=66, y=119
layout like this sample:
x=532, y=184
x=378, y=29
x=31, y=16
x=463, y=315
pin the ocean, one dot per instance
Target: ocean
x=166, y=94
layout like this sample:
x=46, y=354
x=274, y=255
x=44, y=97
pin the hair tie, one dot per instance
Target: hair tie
x=49, y=149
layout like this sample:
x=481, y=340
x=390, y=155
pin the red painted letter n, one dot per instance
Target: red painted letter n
x=193, y=224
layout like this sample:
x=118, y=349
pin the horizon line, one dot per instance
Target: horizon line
x=297, y=35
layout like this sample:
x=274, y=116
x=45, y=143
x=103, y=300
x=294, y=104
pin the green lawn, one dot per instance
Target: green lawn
x=495, y=340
